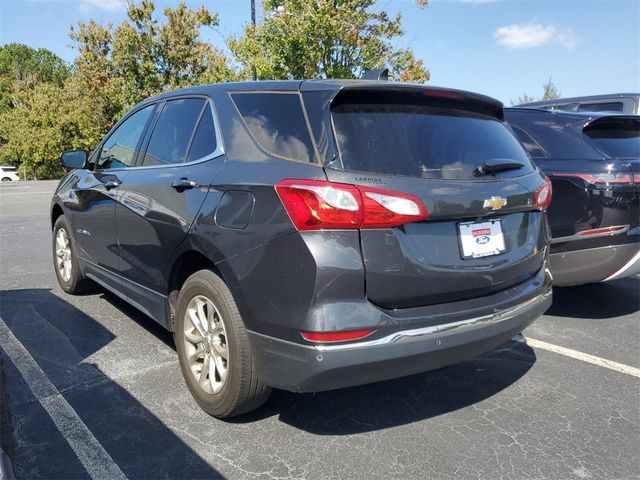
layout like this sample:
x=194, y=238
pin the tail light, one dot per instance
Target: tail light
x=542, y=196
x=612, y=178
x=321, y=205
x=329, y=337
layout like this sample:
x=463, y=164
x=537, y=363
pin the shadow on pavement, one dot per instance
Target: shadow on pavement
x=123, y=426
x=401, y=401
x=385, y=404
x=597, y=300
x=60, y=337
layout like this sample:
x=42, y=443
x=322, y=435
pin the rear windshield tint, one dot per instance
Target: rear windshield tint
x=557, y=140
x=422, y=141
x=277, y=124
x=617, y=139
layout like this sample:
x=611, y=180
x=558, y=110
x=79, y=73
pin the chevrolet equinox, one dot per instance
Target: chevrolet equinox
x=310, y=235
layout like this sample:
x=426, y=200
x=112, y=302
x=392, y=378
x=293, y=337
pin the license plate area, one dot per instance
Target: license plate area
x=481, y=239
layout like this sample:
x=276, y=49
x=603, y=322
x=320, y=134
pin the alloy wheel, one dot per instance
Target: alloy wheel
x=63, y=254
x=206, y=346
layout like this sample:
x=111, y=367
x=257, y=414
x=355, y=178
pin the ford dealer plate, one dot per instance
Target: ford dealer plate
x=481, y=239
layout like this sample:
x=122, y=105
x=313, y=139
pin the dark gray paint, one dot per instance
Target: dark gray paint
x=285, y=281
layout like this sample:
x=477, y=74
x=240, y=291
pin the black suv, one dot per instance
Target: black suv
x=310, y=235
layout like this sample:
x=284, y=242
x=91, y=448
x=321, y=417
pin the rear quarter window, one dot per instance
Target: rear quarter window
x=277, y=123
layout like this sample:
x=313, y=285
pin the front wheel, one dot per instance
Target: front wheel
x=6, y=179
x=65, y=259
x=213, y=349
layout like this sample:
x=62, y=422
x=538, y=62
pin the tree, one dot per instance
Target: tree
x=550, y=91
x=144, y=56
x=22, y=66
x=524, y=98
x=116, y=68
x=45, y=120
x=325, y=39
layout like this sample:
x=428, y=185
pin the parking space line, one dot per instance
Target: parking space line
x=86, y=446
x=585, y=357
x=22, y=193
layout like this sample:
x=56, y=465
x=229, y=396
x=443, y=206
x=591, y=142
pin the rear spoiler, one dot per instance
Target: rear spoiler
x=413, y=94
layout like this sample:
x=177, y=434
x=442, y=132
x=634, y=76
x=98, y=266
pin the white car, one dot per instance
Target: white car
x=9, y=174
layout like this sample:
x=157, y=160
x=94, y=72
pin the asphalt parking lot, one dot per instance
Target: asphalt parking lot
x=90, y=371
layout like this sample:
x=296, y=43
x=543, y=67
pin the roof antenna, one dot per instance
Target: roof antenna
x=377, y=74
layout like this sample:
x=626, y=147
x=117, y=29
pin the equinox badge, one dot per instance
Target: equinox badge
x=495, y=203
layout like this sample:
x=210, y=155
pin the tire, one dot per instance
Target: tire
x=230, y=388
x=71, y=280
x=6, y=179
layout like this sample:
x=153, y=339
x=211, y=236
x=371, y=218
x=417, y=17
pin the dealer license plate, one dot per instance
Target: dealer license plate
x=481, y=239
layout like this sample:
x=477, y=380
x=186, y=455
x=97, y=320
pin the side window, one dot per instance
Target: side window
x=530, y=145
x=119, y=149
x=204, y=140
x=276, y=122
x=601, y=107
x=173, y=131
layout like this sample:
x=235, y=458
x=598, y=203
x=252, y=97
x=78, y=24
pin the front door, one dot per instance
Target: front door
x=93, y=215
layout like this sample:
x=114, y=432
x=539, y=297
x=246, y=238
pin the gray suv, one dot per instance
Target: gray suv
x=310, y=235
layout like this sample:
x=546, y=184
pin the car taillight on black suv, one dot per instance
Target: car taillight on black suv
x=320, y=205
x=310, y=235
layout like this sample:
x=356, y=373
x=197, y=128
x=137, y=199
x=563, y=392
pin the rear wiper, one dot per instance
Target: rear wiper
x=496, y=165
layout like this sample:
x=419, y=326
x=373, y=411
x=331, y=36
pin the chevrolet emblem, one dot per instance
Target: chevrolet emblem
x=495, y=203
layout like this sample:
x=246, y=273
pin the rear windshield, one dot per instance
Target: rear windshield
x=546, y=137
x=422, y=141
x=617, y=139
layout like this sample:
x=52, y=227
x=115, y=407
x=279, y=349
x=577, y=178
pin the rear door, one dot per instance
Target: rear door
x=160, y=197
x=428, y=143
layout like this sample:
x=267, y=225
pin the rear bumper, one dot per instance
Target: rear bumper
x=593, y=265
x=303, y=368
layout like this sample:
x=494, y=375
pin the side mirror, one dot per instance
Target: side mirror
x=74, y=158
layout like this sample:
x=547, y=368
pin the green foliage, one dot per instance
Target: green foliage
x=22, y=66
x=116, y=68
x=325, y=39
x=47, y=107
x=550, y=91
x=36, y=130
x=144, y=56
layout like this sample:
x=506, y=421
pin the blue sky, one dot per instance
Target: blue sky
x=501, y=48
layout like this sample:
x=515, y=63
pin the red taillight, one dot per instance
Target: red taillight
x=603, y=231
x=542, y=196
x=613, y=178
x=322, y=205
x=328, y=337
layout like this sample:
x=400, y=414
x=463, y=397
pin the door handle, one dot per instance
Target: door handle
x=109, y=184
x=183, y=184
